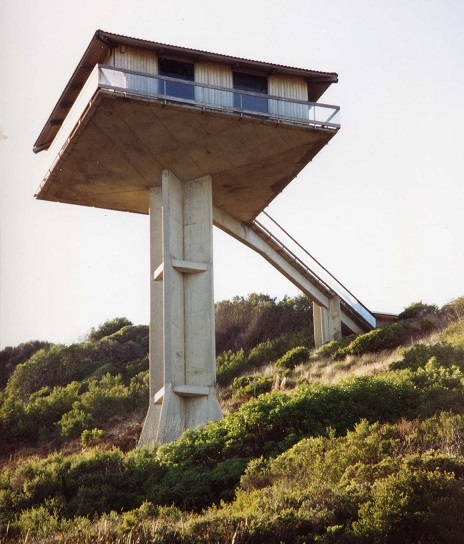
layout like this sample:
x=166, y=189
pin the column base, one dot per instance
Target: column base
x=177, y=408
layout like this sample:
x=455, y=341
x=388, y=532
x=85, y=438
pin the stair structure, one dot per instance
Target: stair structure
x=335, y=308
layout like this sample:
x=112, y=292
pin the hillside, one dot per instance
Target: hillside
x=360, y=441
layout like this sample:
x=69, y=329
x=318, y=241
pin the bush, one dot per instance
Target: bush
x=11, y=357
x=251, y=386
x=104, y=399
x=108, y=328
x=335, y=348
x=414, y=505
x=454, y=310
x=418, y=310
x=388, y=337
x=91, y=437
x=355, y=489
x=58, y=366
x=454, y=333
x=74, y=422
x=293, y=358
x=264, y=353
x=230, y=364
x=418, y=356
x=243, y=323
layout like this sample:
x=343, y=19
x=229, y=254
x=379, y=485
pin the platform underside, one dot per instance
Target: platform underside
x=122, y=145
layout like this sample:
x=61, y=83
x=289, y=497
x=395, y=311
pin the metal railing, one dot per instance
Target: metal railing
x=215, y=97
x=293, y=251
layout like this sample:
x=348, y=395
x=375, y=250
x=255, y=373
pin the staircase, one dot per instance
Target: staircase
x=265, y=236
x=298, y=257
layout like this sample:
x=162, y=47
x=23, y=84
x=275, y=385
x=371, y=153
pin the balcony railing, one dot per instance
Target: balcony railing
x=219, y=98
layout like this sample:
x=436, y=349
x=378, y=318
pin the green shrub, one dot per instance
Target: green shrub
x=418, y=310
x=36, y=419
x=47, y=406
x=454, y=310
x=91, y=437
x=414, y=505
x=133, y=368
x=243, y=323
x=293, y=357
x=74, y=422
x=230, y=364
x=11, y=357
x=39, y=522
x=131, y=333
x=251, y=385
x=108, y=328
x=273, y=421
x=388, y=337
x=104, y=399
x=57, y=366
x=333, y=349
x=454, y=333
x=356, y=488
x=417, y=356
x=268, y=351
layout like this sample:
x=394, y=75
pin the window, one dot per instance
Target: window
x=252, y=84
x=177, y=70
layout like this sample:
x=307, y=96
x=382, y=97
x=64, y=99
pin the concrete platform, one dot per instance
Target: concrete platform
x=121, y=144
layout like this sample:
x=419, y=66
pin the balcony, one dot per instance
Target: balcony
x=125, y=127
x=218, y=98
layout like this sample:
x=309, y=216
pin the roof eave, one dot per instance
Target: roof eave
x=103, y=42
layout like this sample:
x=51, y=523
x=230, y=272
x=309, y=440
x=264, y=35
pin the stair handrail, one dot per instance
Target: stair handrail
x=339, y=289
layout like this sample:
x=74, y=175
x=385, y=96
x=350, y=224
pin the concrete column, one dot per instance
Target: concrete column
x=182, y=348
x=327, y=322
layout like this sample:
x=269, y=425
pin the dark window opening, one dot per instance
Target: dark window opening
x=177, y=70
x=253, y=84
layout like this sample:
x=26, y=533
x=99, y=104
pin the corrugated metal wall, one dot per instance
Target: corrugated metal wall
x=134, y=58
x=212, y=73
x=139, y=60
x=288, y=87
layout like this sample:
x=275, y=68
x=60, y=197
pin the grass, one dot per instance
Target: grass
x=320, y=369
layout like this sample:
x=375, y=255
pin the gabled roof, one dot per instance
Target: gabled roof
x=103, y=42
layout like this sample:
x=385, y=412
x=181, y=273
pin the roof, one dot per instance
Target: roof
x=103, y=42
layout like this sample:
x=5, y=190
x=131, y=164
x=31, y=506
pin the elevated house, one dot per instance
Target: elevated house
x=133, y=108
x=191, y=138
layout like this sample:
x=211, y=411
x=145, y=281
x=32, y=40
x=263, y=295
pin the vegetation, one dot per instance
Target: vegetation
x=362, y=458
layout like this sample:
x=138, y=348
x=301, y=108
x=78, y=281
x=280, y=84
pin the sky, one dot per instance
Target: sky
x=382, y=206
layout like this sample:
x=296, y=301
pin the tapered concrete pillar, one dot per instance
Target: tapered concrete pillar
x=327, y=322
x=182, y=335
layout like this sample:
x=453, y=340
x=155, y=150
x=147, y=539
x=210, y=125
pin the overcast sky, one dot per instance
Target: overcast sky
x=382, y=206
